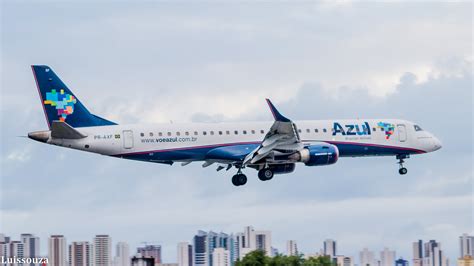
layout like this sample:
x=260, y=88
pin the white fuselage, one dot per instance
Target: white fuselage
x=191, y=141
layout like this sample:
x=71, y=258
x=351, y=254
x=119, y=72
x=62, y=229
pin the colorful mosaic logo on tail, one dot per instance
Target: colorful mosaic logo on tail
x=388, y=128
x=63, y=102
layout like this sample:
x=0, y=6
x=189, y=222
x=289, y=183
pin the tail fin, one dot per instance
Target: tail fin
x=59, y=103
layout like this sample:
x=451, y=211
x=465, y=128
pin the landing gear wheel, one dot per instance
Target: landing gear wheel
x=235, y=181
x=242, y=179
x=402, y=171
x=265, y=174
x=239, y=180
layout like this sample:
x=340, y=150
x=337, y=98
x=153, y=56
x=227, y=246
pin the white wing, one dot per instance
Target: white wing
x=282, y=138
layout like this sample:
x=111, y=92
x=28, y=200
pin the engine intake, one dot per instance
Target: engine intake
x=314, y=155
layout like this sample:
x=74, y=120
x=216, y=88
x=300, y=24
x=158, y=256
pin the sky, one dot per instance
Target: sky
x=214, y=61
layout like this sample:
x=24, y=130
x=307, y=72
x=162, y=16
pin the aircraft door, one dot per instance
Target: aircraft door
x=402, y=133
x=127, y=139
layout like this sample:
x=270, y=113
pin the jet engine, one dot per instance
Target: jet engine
x=314, y=155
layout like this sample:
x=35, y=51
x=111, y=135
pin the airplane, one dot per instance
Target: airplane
x=272, y=147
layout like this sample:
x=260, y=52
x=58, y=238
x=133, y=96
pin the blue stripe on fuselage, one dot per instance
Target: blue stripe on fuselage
x=236, y=152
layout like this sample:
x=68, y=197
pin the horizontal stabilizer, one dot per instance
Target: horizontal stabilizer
x=62, y=130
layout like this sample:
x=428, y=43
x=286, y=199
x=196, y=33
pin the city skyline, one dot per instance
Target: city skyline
x=104, y=246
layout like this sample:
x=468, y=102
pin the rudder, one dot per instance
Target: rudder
x=59, y=103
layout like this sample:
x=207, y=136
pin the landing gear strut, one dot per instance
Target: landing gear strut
x=239, y=179
x=265, y=174
x=402, y=170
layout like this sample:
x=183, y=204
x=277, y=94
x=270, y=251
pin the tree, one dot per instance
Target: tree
x=254, y=258
x=258, y=258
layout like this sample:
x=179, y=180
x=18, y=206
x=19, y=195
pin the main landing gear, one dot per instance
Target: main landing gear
x=239, y=179
x=402, y=170
x=265, y=174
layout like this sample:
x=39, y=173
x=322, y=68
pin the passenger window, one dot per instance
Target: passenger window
x=245, y=132
x=151, y=134
x=261, y=131
x=324, y=130
x=212, y=132
x=195, y=133
x=220, y=132
x=177, y=133
x=169, y=133
x=160, y=134
x=227, y=132
x=204, y=133
x=315, y=130
x=374, y=129
x=142, y=134
x=186, y=133
x=236, y=132
x=307, y=130
x=299, y=130
x=253, y=131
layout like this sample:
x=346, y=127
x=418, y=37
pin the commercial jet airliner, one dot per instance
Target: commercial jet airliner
x=269, y=147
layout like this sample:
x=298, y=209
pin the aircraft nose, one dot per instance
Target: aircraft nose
x=436, y=144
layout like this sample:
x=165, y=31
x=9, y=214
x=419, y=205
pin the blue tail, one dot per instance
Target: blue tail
x=60, y=104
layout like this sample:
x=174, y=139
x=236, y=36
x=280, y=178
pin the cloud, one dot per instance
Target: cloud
x=217, y=62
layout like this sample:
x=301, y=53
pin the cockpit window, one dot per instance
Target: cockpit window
x=418, y=128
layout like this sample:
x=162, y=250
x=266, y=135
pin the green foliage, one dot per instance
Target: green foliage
x=258, y=258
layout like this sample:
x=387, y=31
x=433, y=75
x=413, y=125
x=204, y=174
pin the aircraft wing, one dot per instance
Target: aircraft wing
x=282, y=138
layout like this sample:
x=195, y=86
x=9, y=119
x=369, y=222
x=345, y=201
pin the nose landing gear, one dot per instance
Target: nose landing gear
x=402, y=170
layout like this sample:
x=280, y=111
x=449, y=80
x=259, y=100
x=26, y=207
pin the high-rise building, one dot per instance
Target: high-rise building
x=57, y=250
x=387, y=257
x=239, y=244
x=185, y=254
x=206, y=242
x=151, y=251
x=466, y=246
x=103, y=250
x=248, y=235
x=16, y=249
x=4, y=246
x=81, y=254
x=263, y=241
x=343, y=261
x=31, y=246
x=418, y=253
x=291, y=248
x=330, y=248
x=429, y=254
x=221, y=257
x=367, y=258
x=200, y=249
x=122, y=254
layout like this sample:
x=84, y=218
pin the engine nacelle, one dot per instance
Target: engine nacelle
x=282, y=168
x=321, y=154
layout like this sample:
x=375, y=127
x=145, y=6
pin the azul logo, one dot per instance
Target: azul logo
x=387, y=127
x=351, y=130
x=63, y=102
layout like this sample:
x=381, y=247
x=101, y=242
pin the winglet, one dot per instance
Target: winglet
x=276, y=114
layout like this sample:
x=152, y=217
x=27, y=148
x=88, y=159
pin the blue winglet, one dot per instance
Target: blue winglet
x=278, y=117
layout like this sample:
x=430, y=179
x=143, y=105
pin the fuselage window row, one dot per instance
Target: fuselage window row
x=227, y=132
